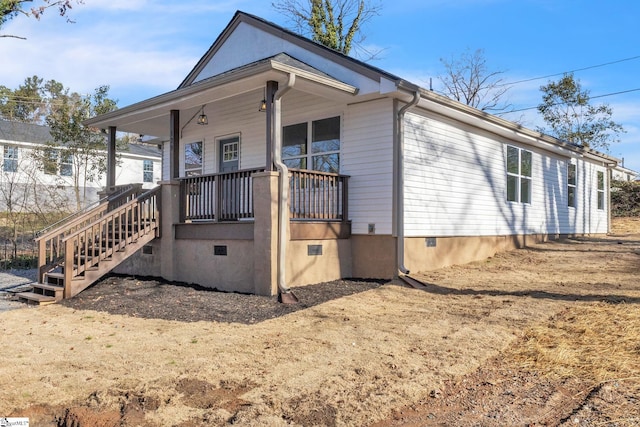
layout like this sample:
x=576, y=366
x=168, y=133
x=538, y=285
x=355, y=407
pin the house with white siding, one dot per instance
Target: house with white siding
x=286, y=163
x=25, y=181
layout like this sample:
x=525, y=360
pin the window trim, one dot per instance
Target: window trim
x=146, y=171
x=600, y=192
x=10, y=159
x=309, y=154
x=193, y=171
x=571, y=186
x=519, y=175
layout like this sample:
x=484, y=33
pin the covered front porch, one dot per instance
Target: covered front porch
x=252, y=194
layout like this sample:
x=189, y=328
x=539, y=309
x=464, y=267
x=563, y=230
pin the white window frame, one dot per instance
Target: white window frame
x=572, y=187
x=10, y=156
x=66, y=164
x=519, y=176
x=309, y=155
x=600, y=186
x=190, y=171
x=147, y=170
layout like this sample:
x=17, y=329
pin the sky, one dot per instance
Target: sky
x=143, y=48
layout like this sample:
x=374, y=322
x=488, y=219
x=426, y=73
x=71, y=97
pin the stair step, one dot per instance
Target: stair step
x=55, y=275
x=36, y=299
x=46, y=289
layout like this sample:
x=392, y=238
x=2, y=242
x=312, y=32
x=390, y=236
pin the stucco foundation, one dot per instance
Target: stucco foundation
x=373, y=256
x=316, y=261
x=421, y=254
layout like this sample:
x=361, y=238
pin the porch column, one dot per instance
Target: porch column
x=174, y=144
x=272, y=87
x=111, y=159
x=265, y=233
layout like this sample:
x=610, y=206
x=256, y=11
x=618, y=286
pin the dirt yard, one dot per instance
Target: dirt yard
x=548, y=335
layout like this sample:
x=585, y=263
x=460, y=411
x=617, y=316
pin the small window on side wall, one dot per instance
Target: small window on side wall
x=193, y=159
x=147, y=171
x=519, y=170
x=571, y=185
x=600, y=190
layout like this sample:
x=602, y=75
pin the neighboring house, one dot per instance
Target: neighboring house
x=383, y=176
x=620, y=173
x=21, y=142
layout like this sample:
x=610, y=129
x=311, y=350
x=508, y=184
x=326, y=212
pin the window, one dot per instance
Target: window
x=230, y=149
x=323, y=154
x=518, y=175
x=147, y=171
x=50, y=158
x=193, y=159
x=10, y=163
x=600, y=190
x=66, y=165
x=571, y=185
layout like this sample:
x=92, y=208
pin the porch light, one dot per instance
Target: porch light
x=263, y=103
x=202, y=118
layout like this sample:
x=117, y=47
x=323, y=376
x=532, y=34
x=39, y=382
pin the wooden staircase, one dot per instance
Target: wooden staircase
x=76, y=254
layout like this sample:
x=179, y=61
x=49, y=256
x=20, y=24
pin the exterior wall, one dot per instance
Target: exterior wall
x=456, y=186
x=367, y=157
x=373, y=256
x=304, y=268
x=460, y=250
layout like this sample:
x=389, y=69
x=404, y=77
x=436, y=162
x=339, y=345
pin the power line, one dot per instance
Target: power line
x=560, y=103
x=572, y=71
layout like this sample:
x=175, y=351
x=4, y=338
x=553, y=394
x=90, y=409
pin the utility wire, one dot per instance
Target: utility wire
x=572, y=71
x=561, y=103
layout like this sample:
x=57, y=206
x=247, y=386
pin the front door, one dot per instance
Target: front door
x=229, y=154
x=229, y=159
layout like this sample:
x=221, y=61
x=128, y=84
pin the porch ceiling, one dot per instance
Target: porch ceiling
x=151, y=117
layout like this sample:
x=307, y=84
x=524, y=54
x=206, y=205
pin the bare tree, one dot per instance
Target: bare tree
x=468, y=80
x=9, y=9
x=334, y=23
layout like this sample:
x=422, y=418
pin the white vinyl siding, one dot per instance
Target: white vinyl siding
x=456, y=186
x=367, y=157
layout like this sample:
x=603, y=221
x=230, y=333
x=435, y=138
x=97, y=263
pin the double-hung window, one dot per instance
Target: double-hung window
x=66, y=164
x=571, y=184
x=193, y=159
x=518, y=175
x=147, y=171
x=10, y=163
x=322, y=153
x=600, y=190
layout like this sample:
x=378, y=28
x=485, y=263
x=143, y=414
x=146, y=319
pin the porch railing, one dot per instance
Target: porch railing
x=219, y=197
x=317, y=195
x=229, y=196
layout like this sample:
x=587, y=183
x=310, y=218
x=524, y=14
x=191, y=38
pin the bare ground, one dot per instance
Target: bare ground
x=546, y=335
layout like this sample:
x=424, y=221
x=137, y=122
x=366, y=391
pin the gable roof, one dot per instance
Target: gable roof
x=285, y=34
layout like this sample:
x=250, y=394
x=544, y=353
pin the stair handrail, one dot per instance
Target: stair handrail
x=68, y=240
x=50, y=242
x=121, y=191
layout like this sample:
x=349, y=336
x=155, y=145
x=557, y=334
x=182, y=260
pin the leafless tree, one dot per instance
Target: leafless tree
x=468, y=80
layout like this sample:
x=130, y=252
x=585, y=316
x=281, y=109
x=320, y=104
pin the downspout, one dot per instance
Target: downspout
x=400, y=182
x=285, y=294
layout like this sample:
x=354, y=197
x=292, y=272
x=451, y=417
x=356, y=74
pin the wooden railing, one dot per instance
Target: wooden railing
x=318, y=195
x=87, y=247
x=49, y=240
x=217, y=197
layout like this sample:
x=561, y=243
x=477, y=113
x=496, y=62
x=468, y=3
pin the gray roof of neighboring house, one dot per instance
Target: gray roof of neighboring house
x=24, y=132
x=39, y=134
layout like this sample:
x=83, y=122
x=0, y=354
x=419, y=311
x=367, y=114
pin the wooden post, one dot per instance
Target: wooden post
x=272, y=87
x=111, y=159
x=174, y=145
